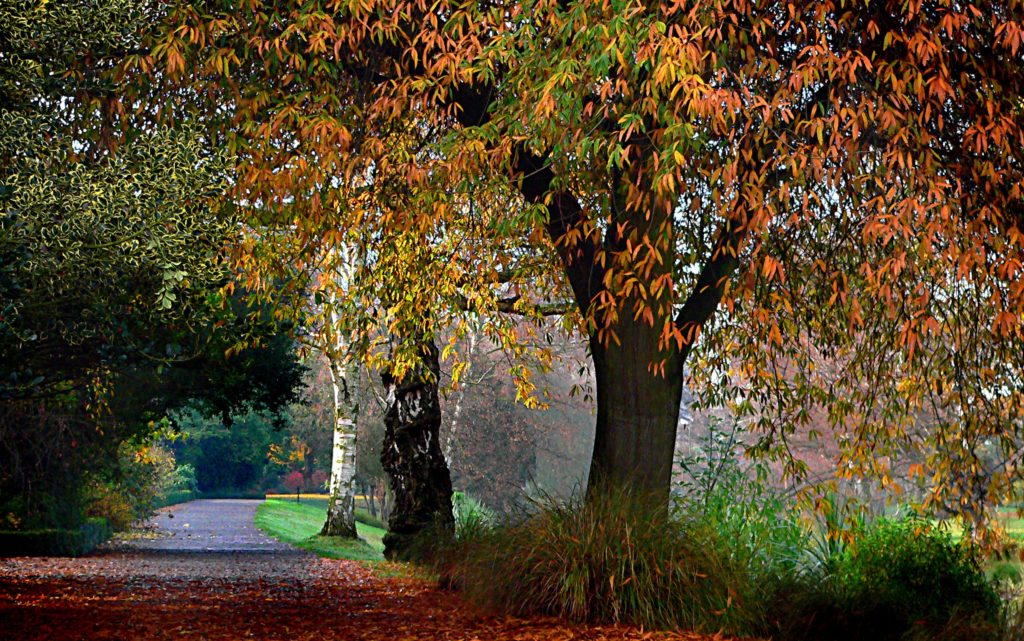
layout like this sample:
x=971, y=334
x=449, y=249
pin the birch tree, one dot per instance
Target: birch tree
x=344, y=369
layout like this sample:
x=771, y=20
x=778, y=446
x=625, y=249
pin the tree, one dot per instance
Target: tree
x=412, y=457
x=839, y=176
x=106, y=262
x=229, y=458
x=111, y=263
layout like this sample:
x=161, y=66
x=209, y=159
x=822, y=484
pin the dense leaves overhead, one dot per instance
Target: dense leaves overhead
x=111, y=263
x=103, y=257
x=840, y=179
x=103, y=262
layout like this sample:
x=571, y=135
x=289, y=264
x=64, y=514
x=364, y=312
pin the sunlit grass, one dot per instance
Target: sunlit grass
x=291, y=496
x=300, y=523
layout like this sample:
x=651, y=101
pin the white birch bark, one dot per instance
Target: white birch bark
x=345, y=383
x=341, y=506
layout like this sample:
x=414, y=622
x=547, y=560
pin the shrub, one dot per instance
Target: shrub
x=900, y=580
x=111, y=502
x=608, y=559
x=175, y=497
x=181, y=479
x=733, y=495
x=293, y=481
x=55, y=541
x=131, y=491
x=470, y=515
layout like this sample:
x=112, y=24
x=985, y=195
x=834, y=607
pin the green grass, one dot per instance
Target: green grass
x=1007, y=517
x=300, y=523
x=362, y=514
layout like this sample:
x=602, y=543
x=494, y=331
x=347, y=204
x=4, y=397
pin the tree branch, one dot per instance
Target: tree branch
x=707, y=292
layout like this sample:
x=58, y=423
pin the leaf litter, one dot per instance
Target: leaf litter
x=127, y=596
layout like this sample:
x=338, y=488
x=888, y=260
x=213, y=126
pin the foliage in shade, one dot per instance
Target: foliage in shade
x=229, y=458
x=114, y=260
x=56, y=542
x=896, y=580
x=111, y=266
x=106, y=258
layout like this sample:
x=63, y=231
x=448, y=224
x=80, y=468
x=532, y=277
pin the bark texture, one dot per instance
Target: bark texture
x=637, y=414
x=637, y=409
x=412, y=458
x=341, y=517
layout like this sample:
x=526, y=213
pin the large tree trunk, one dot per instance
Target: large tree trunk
x=412, y=457
x=638, y=410
x=341, y=520
x=637, y=413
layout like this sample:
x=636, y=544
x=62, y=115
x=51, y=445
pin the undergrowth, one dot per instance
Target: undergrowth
x=609, y=559
x=729, y=556
x=897, y=580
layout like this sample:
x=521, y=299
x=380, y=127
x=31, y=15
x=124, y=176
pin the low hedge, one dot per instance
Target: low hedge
x=173, y=498
x=184, y=496
x=54, y=541
x=228, y=493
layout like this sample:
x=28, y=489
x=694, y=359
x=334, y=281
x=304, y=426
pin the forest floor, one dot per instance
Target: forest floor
x=220, y=579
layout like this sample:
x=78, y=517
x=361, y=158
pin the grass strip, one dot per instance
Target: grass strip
x=300, y=523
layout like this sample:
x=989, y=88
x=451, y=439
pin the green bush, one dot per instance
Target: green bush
x=471, y=517
x=732, y=494
x=607, y=559
x=134, y=488
x=899, y=580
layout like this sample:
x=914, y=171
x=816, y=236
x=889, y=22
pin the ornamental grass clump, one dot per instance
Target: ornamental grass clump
x=607, y=559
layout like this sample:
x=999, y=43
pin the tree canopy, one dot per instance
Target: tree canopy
x=112, y=263
x=812, y=204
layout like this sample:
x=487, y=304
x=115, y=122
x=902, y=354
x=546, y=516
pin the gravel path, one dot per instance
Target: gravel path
x=210, y=525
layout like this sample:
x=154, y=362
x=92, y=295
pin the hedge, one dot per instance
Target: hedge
x=173, y=498
x=54, y=541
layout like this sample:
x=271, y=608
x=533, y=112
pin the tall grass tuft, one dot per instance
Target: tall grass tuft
x=610, y=558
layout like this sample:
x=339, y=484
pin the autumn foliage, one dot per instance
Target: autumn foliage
x=796, y=184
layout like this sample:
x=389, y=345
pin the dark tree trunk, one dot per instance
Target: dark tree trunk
x=412, y=458
x=637, y=413
x=637, y=409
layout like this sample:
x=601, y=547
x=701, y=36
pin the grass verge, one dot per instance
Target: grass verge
x=300, y=523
